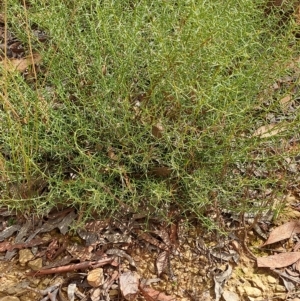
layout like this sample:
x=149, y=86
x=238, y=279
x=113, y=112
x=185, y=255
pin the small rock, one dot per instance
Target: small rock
x=245, y=270
x=240, y=290
x=280, y=289
x=252, y=291
x=230, y=296
x=35, y=281
x=26, y=298
x=188, y=255
x=36, y=264
x=257, y=281
x=45, y=282
x=113, y=293
x=95, y=277
x=25, y=256
x=10, y=298
x=271, y=279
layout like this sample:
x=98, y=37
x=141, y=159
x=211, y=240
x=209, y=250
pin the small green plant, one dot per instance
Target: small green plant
x=147, y=105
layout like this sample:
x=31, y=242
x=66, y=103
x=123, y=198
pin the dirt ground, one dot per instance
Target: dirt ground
x=169, y=262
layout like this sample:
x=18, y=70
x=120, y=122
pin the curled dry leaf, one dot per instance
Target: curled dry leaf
x=121, y=253
x=279, y=260
x=150, y=239
x=52, y=296
x=129, y=285
x=220, y=280
x=233, y=255
x=283, y=232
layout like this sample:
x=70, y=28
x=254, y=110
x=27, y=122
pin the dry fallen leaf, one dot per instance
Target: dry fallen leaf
x=148, y=293
x=285, y=102
x=129, y=285
x=9, y=231
x=157, y=130
x=21, y=64
x=162, y=262
x=95, y=294
x=268, y=130
x=121, y=253
x=71, y=291
x=283, y=232
x=297, y=265
x=161, y=171
x=111, y=154
x=279, y=260
x=220, y=280
x=163, y=233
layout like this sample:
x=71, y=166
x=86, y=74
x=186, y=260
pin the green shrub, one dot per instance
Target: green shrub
x=146, y=104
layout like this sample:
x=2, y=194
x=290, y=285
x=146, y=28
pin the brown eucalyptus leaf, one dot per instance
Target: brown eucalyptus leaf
x=162, y=262
x=283, y=232
x=279, y=260
x=164, y=236
x=156, y=295
x=297, y=265
x=268, y=130
x=9, y=231
x=63, y=226
x=285, y=102
x=129, y=285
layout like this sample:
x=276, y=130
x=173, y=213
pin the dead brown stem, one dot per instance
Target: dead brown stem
x=72, y=267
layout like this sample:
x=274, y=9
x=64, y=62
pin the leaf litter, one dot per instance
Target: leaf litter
x=113, y=268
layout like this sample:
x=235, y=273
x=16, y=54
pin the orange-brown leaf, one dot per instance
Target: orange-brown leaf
x=279, y=260
x=283, y=232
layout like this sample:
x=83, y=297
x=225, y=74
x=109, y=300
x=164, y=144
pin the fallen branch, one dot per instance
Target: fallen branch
x=72, y=267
